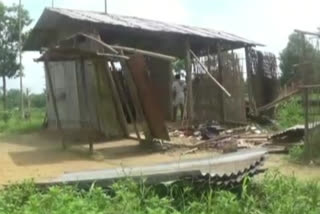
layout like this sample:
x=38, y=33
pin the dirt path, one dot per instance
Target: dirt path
x=303, y=172
x=39, y=156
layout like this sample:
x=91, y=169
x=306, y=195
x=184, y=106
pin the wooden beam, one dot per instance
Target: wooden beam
x=307, y=33
x=220, y=75
x=113, y=56
x=54, y=102
x=108, y=47
x=189, y=81
x=144, y=52
x=210, y=75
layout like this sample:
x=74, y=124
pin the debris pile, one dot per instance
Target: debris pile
x=214, y=136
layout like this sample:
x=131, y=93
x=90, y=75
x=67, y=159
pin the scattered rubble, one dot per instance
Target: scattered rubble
x=212, y=135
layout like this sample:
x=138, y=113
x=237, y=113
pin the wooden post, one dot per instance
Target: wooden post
x=189, y=81
x=220, y=79
x=308, y=149
x=86, y=96
x=54, y=102
x=125, y=101
x=209, y=63
x=252, y=102
x=306, y=123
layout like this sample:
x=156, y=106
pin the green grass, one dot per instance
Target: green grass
x=290, y=113
x=11, y=122
x=274, y=194
x=297, y=154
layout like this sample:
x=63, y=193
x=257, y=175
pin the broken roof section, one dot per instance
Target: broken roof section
x=115, y=28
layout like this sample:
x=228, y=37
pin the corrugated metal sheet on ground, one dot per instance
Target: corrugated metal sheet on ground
x=221, y=170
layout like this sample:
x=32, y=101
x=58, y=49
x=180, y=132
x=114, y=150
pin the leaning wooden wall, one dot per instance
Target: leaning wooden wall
x=84, y=98
x=65, y=88
x=207, y=95
x=162, y=77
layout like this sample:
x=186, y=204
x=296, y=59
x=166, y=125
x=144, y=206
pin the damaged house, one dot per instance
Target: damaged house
x=104, y=71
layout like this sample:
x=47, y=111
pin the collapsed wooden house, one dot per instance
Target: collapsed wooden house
x=75, y=62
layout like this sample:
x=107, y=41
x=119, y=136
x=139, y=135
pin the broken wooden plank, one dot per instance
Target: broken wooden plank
x=148, y=98
x=135, y=100
x=124, y=100
x=116, y=99
x=278, y=100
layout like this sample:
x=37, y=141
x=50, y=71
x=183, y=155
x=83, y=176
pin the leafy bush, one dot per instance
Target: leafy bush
x=290, y=113
x=296, y=153
x=274, y=194
x=5, y=116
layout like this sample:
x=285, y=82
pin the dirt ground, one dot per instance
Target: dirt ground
x=304, y=172
x=40, y=156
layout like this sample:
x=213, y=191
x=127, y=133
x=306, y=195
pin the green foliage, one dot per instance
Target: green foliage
x=15, y=125
x=38, y=100
x=9, y=40
x=292, y=55
x=179, y=65
x=14, y=96
x=274, y=194
x=290, y=113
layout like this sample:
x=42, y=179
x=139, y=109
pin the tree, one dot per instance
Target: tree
x=9, y=42
x=292, y=54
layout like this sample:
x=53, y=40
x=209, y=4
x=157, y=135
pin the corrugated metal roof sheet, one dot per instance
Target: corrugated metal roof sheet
x=226, y=169
x=140, y=23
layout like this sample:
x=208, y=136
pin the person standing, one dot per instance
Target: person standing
x=178, y=91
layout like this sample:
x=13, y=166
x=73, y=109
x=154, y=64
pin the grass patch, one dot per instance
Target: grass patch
x=12, y=123
x=274, y=194
x=290, y=113
x=297, y=154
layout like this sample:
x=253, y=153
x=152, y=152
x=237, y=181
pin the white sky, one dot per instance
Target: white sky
x=266, y=21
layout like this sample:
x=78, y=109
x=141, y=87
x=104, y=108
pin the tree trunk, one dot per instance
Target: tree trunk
x=4, y=88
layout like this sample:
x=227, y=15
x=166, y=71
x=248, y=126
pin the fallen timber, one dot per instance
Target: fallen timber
x=224, y=170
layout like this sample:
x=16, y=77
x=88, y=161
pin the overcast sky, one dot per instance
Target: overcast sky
x=265, y=21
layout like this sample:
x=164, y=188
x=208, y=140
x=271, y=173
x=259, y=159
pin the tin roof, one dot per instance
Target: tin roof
x=51, y=19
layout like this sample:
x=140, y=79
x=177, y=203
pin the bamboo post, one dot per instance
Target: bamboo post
x=250, y=83
x=189, y=81
x=125, y=101
x=220, y=75
x=54, y=102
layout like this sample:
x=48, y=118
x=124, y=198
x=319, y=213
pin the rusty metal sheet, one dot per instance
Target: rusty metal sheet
x=148, y=97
